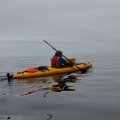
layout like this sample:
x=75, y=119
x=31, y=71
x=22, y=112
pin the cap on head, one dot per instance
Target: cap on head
x=58, y=53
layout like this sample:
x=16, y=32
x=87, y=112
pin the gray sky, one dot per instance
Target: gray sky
x=66, y=20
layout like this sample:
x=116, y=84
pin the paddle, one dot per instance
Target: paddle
x=62, y=55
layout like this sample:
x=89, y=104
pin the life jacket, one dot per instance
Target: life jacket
x=55, y=62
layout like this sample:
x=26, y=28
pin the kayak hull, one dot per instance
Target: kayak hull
x=53, y=71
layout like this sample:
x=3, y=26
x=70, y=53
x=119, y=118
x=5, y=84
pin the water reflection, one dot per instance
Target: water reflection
x=28, y=86
x=56, y=83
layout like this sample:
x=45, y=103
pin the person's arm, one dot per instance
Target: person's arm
x=65, y=62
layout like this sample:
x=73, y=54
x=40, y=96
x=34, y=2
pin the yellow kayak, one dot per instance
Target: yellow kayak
x=46, y=71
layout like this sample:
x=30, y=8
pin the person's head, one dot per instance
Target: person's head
x=58, y=53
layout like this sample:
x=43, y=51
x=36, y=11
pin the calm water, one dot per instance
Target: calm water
x=93, y=96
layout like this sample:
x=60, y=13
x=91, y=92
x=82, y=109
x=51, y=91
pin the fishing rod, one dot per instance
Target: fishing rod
x=62, y=55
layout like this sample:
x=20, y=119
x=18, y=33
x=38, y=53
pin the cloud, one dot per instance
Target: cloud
x=66, y=20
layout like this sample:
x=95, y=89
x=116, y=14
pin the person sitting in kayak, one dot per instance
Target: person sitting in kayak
x=58, y=61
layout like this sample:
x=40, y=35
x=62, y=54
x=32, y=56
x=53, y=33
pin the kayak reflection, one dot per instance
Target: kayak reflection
x=56, y=83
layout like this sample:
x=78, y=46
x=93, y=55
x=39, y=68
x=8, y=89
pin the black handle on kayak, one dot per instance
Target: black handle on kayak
x=62, y=55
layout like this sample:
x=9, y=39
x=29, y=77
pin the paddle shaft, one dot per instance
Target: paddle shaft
x=62, y=55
